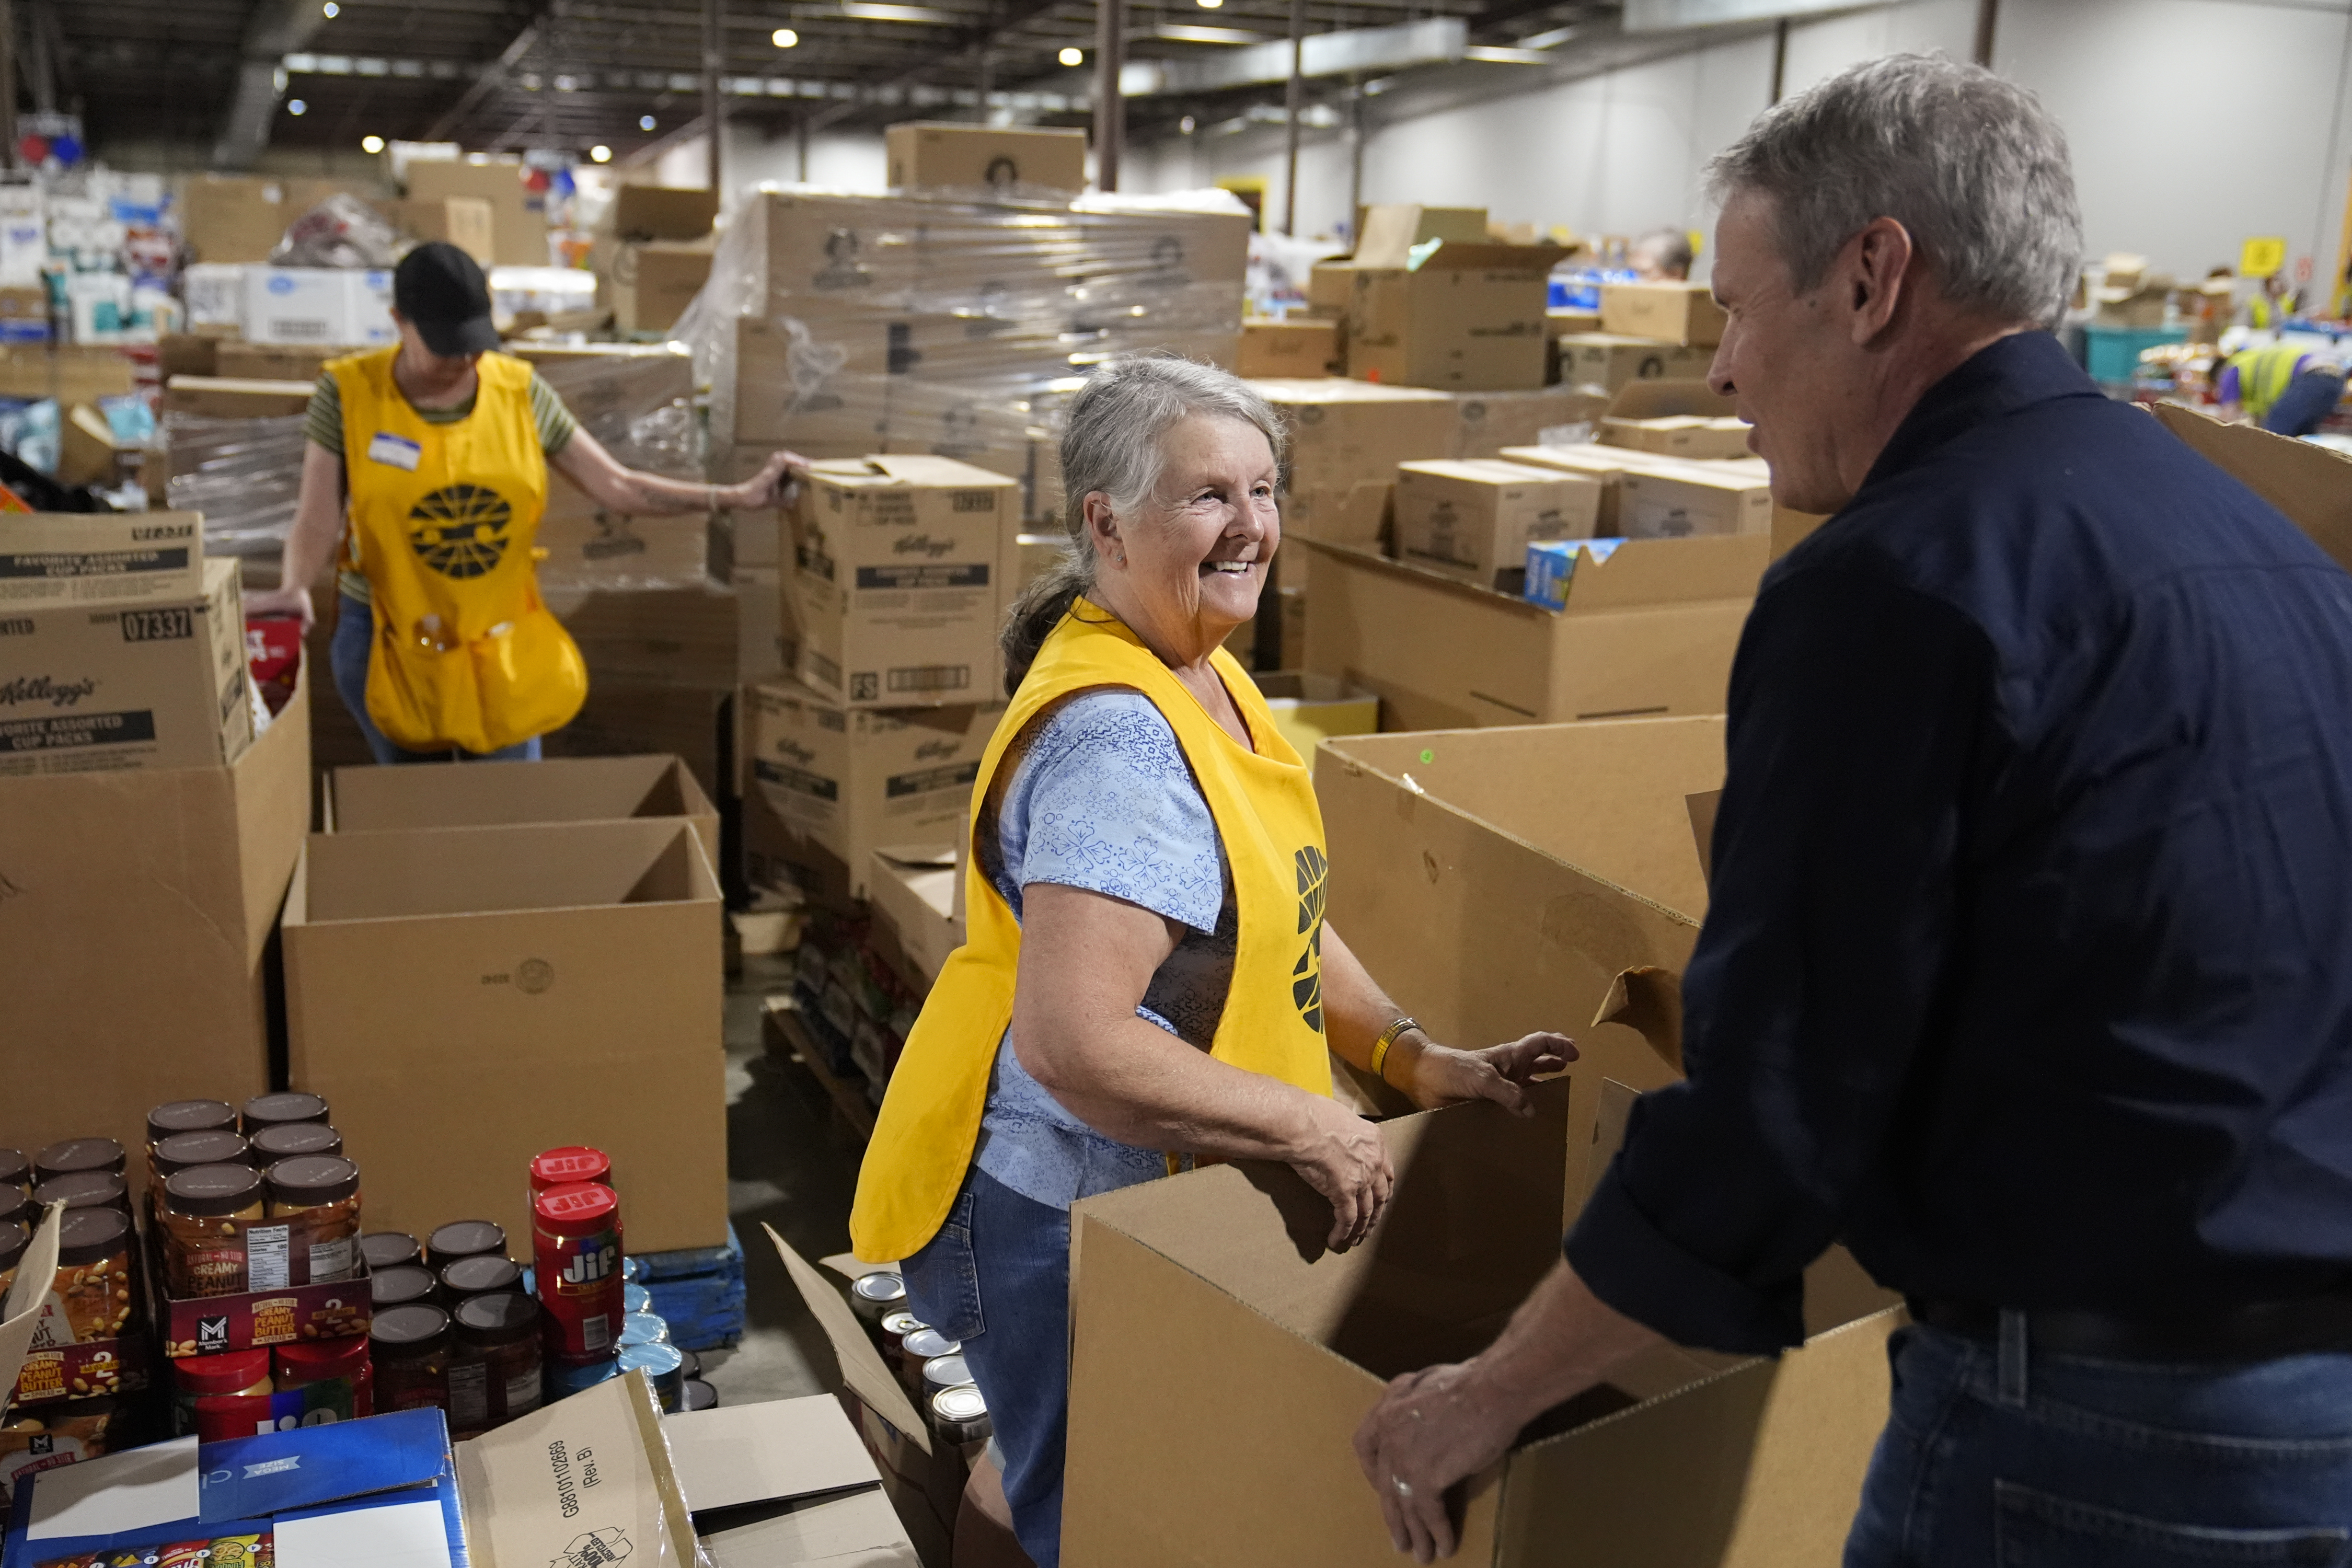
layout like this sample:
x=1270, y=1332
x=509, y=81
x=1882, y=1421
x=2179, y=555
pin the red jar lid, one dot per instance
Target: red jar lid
x=574, y=1163
x=233, y=1371
x=315, y=1361
x=576, y=1203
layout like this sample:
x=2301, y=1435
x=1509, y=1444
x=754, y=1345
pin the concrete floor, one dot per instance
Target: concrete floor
x=792, y=1163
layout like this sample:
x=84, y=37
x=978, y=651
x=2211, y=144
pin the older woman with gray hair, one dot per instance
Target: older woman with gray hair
x=2023, y=973
x=1149, y=979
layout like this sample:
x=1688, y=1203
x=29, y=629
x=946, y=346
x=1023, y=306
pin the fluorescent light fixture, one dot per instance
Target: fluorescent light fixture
x=1493, y=55
x=866, y=11
x=1550, y=40
x=1178, y=32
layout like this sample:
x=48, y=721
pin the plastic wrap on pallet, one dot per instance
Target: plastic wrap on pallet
x=243, y=475
x=841, y=324
x=639, y=404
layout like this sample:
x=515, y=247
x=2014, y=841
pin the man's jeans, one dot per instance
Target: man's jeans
x=997, y=1277
x=2308, y=399
x=2001, y=1459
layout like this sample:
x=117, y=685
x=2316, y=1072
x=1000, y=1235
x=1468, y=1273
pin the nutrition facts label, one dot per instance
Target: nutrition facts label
x=269, y=1258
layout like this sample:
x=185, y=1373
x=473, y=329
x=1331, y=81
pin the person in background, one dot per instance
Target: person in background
x=2023, y=972
x=2270, y=305
x=428, y=459
x=1150, y=977
x=1662, y=255
x=2285, y=389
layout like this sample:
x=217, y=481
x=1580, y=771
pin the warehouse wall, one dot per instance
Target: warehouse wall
x=843, y=160
x=2173, y=158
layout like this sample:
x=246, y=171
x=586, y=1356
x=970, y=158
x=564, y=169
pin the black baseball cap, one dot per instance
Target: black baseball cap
x=442, y=290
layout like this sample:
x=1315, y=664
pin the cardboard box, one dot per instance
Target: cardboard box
x=651, y=283
x=1301, y=347
x=903, y=561
x=1388, y=230
x=1607, y=362
x=102, y=686
x=1653, y=633
x=87, y=452
x=1687, y=435
x=518, y=218
x=660, y=212
x=182, y=868
x=190, y=353
x=237, y=361
x=1309, y=709
x=1610, y=464
x=846, y=781
x=1330, y=286
x=913, y=892
x=224, y=397
x=1468, y=318
x=785, y=1482
x=589, y=547
x=1474, y=519
x=1279, y=1347
x=1683, y=313
x=1345, y=440
x=2311, y=485
x=767, y=639
x=628, y=718
x=935, y=153
x=493, y=794
x=52, y=557
x=70, y=373
x=678, y=637
x=513, y=988
x=241, y=217
x=466, y=222
x=1678, y=506
x=1487, y=422
x=317, y=306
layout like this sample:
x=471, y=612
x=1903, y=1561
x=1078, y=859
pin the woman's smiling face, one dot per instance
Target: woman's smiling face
x=1195, y=557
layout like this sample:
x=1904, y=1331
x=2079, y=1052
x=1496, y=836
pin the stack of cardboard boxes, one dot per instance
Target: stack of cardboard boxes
x=652, y=256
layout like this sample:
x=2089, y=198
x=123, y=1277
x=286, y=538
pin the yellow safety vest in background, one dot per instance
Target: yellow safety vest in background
x=1266, y=816
x=446, y=519
x=2263, y=376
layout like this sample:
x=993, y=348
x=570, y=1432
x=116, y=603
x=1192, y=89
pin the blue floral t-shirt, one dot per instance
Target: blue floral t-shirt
x=1099, y=796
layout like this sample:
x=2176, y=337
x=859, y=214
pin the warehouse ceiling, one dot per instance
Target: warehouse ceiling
x=226, y=75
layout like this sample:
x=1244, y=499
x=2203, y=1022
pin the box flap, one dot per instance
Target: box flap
x=863, y=1370
x=20, y=1314
x=861, y=1530
x=922, y=469
x=2311, y=484
x=139, y=1489
x=1702, y=815
x=1451, y=256
x=1641, y=572
x=1665, y=399
x=779, y=1448
x=278, y=1472
x=1648, y=1001
x=587, y=1475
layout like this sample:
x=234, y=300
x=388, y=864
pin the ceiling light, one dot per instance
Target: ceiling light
x=863, y=11
x=332, y=10
x=1493, y=55
x=295, y=106
x=1177, y=32
x=645, y=122
x=784, y=38
x=1186, y=124
x=600, y=154
x=1552, y=39
x=1209, y=5
x=1071, y=56
x=371, y=143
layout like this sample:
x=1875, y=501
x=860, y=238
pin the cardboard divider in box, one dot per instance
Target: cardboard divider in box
x=47, y=557
x=560, y=789
x=1277, y=1347
x=1653, y=632
x=182, y=868
x=465, y=998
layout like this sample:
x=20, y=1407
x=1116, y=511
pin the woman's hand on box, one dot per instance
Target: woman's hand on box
x=295, y=601
x=1433, y=1075
x=1343, y=1157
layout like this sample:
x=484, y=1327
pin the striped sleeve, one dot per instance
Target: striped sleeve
x=324, y=425
x=556, y=425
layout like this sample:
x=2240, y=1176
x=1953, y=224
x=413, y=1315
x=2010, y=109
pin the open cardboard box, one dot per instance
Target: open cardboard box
x=1208, y=1299
x=560, y=789
x=785, y=1482
x=2311, y=484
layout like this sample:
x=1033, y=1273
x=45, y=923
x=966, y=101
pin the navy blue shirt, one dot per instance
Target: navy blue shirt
x=2027, y=972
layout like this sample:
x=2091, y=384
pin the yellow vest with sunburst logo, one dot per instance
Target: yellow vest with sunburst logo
x=446, y=518
x=1263, y=800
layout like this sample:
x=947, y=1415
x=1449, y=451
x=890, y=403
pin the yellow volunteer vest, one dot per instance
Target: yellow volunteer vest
x=1264, y=805
x=2263, y=376
x=445, y=518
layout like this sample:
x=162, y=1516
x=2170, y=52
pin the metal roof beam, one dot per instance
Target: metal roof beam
x=275, y=29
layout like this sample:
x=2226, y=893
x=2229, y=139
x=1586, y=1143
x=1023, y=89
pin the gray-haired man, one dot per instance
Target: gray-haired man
x=2025, y=971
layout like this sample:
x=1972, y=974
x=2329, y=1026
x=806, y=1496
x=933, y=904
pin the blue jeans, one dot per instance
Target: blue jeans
x=353, y=647
x=1996, y=1460
x=997, y=1277
x=2308, y=399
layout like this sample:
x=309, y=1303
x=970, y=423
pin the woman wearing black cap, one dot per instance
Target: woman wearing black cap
x=440, y=447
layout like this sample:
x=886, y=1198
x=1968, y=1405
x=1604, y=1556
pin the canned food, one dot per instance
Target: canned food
x=388, y=1248
x=318, y=1196
x=643, y=1329
x=84, y=1190
x=959, y=1415
x=576, y=1239
x=634, y=1298
x=693, y=1362
x=918, y=1347
x=400, y=1285
x=874, y=1296
x=481, y=1275
x=410, y=1348
x=896, y=1327
x=464, y=1239
x=495, y=1373
x=944, y=1372
x=279, y=1109
x=573, y=1162
x=664, y=1368
x=291, y=1139
x=15, y=1169
x=569, y=1375
x=699, y=1395
x=72, y=1154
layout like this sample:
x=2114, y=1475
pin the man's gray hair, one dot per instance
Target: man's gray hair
x=1973, y=165
x=1111, y=444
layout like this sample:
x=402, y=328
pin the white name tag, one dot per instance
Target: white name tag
x=397, y=450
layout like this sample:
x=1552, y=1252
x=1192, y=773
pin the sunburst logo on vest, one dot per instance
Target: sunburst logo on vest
x=460, y=530
x=1306, y=978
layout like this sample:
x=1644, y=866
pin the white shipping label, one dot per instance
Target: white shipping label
x=333, y=1259
x=395, y=451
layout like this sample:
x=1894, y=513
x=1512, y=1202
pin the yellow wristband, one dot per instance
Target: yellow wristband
x=1389, y=1038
